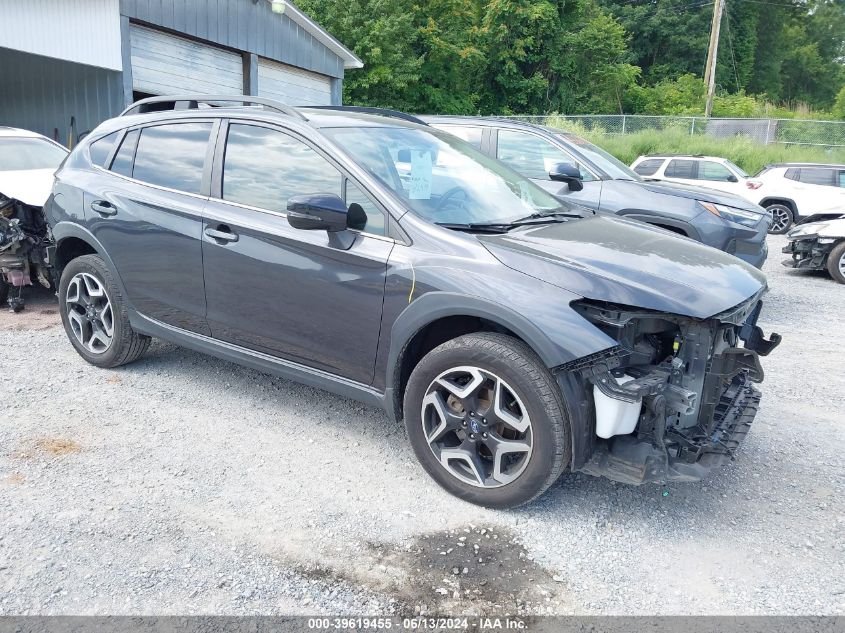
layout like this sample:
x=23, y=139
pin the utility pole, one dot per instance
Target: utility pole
x=713, y=54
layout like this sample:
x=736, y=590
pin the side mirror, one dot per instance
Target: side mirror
x=317, y=211
x=733, y=178
x=568, y=173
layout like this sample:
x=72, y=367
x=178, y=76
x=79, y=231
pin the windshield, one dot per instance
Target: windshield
x=737, y=170
x=608, y=163
x=441, y=178
x=20, y=152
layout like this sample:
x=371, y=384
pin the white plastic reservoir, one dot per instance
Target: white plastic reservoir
x=615, y=417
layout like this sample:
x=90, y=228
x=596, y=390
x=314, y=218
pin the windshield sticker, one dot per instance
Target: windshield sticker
x=421, y=171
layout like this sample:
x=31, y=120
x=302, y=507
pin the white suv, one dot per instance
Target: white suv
x=791, y=191
x=703, y=171
x=788, y=191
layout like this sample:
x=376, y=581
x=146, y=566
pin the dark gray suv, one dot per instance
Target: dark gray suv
x=373, y=256
x=574, y=169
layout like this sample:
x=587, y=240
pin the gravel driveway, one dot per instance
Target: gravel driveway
x=184, y=484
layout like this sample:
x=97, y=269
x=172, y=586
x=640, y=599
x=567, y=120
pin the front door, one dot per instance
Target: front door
x=284, y=291
x=533, y=156
x=148, y=216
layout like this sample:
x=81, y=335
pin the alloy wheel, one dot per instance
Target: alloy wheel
x=89, y=313
x=781, y=218
x=477, y=427
x=842, y=264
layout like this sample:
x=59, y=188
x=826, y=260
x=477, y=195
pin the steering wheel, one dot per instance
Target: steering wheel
x=446, y=198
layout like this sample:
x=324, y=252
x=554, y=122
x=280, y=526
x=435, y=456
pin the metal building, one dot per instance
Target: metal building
x=66, y=65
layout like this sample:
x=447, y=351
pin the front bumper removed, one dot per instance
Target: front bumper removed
x=629, y=460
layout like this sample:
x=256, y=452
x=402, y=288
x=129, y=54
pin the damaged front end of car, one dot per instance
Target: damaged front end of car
x=676, y=397
x=25, y=241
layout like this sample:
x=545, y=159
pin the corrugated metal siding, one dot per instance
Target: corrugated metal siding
x=166, y=64
x=239, y=24
x=42, y=94
x=292, y=85
x=83, y=31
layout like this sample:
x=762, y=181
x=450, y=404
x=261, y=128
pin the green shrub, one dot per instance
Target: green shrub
x=742, y=150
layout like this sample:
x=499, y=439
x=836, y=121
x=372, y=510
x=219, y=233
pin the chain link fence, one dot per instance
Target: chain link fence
x=765, y=131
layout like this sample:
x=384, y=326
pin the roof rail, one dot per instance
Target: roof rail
x=192, y=102
x=367, y=110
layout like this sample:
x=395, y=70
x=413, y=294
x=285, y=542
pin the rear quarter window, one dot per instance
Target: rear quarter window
x=648, y=167
x=100, y=149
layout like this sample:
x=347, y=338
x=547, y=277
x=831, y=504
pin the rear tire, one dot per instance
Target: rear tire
x=782, y=218
x=836, y=263
x=95, y=316
x=487, y=421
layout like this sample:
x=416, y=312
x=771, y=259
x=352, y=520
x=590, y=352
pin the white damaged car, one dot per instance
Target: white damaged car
x=818, y=246
x=27, y=164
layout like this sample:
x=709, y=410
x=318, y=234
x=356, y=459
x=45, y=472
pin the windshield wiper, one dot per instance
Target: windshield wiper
x=477, y=227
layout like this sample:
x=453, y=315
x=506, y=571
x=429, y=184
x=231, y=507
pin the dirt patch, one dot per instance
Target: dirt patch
x=53, y=446
x=470, y=571
x=114, y=379
x=15, y=480
x=57, y=446
x=41, y=311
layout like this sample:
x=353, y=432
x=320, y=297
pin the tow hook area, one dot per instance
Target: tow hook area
x=752, y=335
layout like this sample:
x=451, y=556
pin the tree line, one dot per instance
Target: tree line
x=590, y=56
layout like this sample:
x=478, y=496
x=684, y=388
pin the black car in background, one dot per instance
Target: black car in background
x=379, y=258
x=572, y=168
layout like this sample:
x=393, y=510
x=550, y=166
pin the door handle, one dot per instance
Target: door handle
x=105, y=209
x=221, y=234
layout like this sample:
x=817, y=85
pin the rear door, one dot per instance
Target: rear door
x=147, y=213
x=682, y=170
x=820, y=188
x=533, y=156
x=284, y=291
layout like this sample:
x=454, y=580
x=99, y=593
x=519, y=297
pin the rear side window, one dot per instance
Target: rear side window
x=172, y=155
x=122, y=163
x=648, y=167
x=471, y=135
x=708, y=170
x=817, y=177
x=100, y=149
x=681, y=169
x=842, y=179
x=793, y=174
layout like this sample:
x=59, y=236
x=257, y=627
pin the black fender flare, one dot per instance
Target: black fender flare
x=65, y=230
x=649, y=218
x=554, y=346
x=777, y=199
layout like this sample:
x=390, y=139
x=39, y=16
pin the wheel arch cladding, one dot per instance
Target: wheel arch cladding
x=72, y=241
x=557, y=335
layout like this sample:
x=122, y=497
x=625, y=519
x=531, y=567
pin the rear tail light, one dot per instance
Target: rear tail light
x=753, y=184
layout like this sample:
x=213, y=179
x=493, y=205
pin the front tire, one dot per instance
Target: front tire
x=487, y=420
x=836, y=263
x=95, y=316
x=782, y=218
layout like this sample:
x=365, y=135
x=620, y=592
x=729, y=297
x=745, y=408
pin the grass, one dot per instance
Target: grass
x=742, y=150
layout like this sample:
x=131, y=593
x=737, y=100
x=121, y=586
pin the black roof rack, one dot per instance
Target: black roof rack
x=366, y=110
x=192, y=102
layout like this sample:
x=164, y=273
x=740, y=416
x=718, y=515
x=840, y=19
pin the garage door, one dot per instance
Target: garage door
x=166, y=64
x=293, y=86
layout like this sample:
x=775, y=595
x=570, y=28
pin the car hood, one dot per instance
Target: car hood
x=621, y=261
x=823, y=228
x=30, y=186
x=699, y=193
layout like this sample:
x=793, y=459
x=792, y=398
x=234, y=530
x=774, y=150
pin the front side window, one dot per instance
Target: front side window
x=22, y=153
x=842, y=179
x=365, y=216
x=648, y=167
x=263, y=168
x=471, y=135
x=530, y=155
x=440, y=177
x=811, y=176
x=681, y=169
x=708, y=170
x=172, y=155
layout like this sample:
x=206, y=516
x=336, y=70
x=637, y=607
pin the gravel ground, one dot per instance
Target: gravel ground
x=183, y=484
